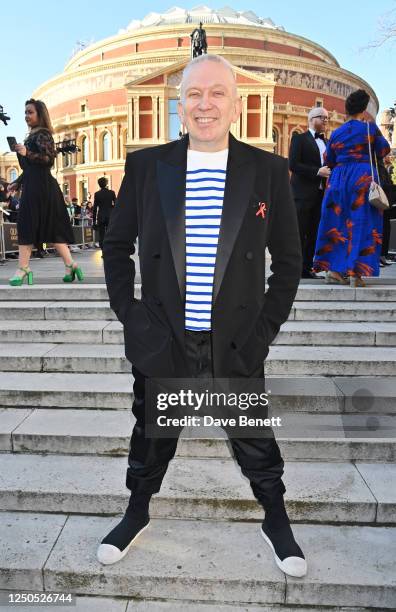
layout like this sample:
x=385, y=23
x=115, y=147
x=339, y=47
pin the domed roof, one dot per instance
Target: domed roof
x=200, y=13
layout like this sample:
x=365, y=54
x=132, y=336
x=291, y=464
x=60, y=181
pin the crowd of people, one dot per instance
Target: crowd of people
x=342, y=233
x=80, y=214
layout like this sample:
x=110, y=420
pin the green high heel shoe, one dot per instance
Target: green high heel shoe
x=17, y=281
x=69, y=278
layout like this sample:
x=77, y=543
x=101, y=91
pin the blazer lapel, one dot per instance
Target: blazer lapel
x=171, y=178
x=240, y=179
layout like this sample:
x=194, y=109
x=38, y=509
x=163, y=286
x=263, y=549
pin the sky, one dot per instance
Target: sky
x=37, y=39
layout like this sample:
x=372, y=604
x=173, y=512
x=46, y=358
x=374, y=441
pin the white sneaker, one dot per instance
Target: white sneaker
x=293, y=566
x=109, y=554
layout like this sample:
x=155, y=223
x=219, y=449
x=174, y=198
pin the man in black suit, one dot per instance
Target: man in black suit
x=104, y=201
x=308, y=181
x=168, y=333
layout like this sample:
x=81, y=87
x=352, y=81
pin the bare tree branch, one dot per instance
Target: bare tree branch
x=386, y=31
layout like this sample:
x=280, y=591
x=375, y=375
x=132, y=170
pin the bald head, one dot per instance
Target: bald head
x=318, y=118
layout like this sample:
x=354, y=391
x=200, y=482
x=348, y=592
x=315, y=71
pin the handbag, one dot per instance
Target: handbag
x=377, y=196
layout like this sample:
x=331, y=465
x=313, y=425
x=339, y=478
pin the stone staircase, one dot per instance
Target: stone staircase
x=65, y=425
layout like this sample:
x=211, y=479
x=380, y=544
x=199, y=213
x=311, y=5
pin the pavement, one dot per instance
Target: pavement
x=50, y=269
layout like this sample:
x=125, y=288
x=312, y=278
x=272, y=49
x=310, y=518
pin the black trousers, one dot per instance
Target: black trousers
x=102, y=227
x=259, y=458
x=308, y=215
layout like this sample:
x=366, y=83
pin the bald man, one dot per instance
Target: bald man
x=308, y=180
x=205, y=208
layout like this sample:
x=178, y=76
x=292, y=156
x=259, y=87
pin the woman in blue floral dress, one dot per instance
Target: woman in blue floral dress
x=350, y=230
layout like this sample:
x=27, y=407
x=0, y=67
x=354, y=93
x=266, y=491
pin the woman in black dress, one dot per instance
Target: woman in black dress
x=42, y=215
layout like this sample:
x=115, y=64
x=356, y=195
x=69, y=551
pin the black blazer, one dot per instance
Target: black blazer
x=245, y=318
x=304, y=163
x=104, y=199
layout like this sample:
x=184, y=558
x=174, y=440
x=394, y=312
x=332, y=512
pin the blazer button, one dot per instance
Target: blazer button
x=243, y=306
x=233, y=345
x=156, y=255
x=157, y=301
x=249, y=255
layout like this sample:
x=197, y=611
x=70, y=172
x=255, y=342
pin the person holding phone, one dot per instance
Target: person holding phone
x=42, y=214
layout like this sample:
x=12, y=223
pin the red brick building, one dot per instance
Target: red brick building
x=121, y=93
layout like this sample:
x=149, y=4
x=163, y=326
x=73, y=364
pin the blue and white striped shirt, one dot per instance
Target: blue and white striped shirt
x=205, y=181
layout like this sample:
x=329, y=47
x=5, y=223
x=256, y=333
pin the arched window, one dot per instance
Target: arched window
x=84, y=150
x=105, y=147
x=13, y=175
x=295, y=131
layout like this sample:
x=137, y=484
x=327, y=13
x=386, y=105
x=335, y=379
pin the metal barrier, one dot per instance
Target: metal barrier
x=83, y=235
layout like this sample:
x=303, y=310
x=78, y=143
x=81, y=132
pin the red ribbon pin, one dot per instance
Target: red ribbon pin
x=262, y=210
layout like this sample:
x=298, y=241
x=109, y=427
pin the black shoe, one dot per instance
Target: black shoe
x=287, y=553
x=111, y=549
x=135, y=520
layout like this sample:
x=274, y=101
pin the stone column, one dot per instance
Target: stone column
x=136, y=117
x=154, y=104
x=115, y=144
x=130, y=120
x=263, y=117
x=285, y=136
x=97, y=144
x=270, y=117
x=162, y=118
x=91, y=136
x=244, y=116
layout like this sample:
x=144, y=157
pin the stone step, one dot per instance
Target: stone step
x=282, y=360
x=318, y=394
x=84, y=332
x=340, y=311
x=301, y=437
x=56, y=310
x=97, y=291
x=301, y=311
x=306, y=333
x=323, y=333
x=26, y=389
x=194, y=488
x=200, y=561
x=331, y=361
x=57, y=291
x=121, y=604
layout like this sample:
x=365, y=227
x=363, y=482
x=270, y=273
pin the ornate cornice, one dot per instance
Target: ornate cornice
x=233, y=54
x=184, y=30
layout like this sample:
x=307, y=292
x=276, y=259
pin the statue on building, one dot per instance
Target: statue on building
x=199, y=46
